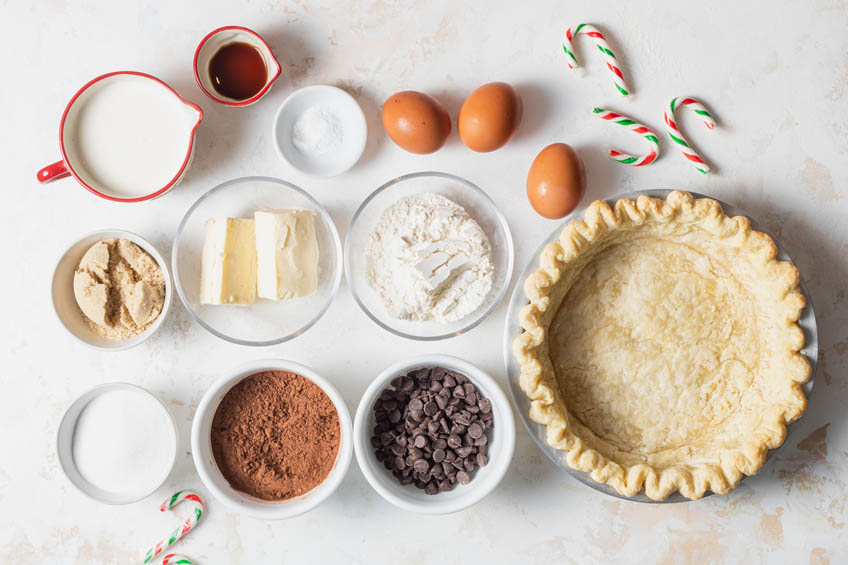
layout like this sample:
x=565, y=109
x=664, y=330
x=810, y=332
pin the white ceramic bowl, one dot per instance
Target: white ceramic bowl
x=353, y=126
x=204, y=460
x=65, y=304
x=357, y=249
x=485, y=479
x=65, y=441
x=265, y=322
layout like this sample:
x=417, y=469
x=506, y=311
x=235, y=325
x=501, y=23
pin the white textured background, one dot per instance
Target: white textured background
x=774, y=73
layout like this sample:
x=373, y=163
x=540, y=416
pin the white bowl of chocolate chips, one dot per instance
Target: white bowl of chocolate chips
x=434, y=434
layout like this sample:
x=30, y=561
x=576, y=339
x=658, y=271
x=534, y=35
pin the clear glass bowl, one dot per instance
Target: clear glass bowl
x=265, y=322
x=479, y=206
x=512, y=330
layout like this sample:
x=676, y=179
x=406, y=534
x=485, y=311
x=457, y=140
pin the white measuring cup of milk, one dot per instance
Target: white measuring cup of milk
x=126, y=137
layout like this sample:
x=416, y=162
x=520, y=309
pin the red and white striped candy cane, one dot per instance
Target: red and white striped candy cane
x=632, y=125
x=677, y=137
x=603, y=47
x=186, y=527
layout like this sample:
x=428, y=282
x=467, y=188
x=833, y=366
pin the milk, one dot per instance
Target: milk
x=129, y=136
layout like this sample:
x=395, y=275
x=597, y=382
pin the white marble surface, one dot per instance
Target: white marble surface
x=776, y=76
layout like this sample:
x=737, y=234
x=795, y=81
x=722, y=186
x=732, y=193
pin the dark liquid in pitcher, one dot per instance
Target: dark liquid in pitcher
x=238, y=71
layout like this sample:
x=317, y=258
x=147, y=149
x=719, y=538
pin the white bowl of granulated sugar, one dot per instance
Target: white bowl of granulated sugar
x=320, y=130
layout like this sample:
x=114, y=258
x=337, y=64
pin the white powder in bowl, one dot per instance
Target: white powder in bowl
x=124, y=442
x=429, y=260
x=317, y=131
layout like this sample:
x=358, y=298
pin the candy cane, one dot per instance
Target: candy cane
x=677, y=137
x=603, y=47
x=176, y=559
x=181, y=531
x=644, y=131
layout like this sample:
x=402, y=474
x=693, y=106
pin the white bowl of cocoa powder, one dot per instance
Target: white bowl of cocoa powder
x=272, y=439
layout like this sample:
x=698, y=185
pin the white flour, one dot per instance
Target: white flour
x=430, y=260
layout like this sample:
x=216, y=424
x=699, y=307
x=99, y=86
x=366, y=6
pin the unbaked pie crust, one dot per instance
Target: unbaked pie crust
x=661, y=346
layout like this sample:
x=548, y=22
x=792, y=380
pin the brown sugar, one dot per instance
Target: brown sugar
x=275, y=435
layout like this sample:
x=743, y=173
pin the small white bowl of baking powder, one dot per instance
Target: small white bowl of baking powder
x=320, y=130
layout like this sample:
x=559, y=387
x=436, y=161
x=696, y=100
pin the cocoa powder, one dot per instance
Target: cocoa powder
x=275, y=435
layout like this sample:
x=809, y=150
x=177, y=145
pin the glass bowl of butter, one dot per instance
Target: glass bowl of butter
x=257, y=261
x=428, y=256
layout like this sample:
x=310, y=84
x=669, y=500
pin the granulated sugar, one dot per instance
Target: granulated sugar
x=124, y=442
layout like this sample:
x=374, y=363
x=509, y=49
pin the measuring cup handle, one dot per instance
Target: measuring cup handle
x=56, y=171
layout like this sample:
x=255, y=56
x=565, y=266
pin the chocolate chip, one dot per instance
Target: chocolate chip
x=394, y=416
x=431, y=408
x=463, y=418
x=464, y=452
x=475, y=430
x=431, y=488
x=482, y=460
x=485, y=405
x=420, y=441
x=399, y=463
x=421, y=466
x=463, y=478
x=454, y=441
x=439, y=455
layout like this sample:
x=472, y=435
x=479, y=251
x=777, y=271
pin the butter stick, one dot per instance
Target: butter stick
x=228, y=269
x=286, y=253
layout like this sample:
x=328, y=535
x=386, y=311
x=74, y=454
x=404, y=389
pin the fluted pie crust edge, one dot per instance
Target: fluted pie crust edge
x=716, y=468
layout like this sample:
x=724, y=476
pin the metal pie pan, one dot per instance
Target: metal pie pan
x=512, y=330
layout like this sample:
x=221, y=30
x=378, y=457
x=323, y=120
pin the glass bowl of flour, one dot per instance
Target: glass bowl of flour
x=428, y=256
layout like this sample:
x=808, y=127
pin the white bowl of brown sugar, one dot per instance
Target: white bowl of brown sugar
x=111, y=290
x=272, y=440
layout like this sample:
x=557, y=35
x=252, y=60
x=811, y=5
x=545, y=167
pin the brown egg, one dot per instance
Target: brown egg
x=489, y=117
x=556, y=181
x=416, y=121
